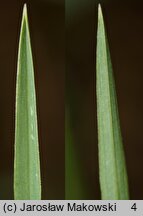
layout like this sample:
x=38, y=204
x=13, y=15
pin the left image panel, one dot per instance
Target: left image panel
x=36, y=115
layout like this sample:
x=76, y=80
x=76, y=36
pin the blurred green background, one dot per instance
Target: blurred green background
x=63, y=35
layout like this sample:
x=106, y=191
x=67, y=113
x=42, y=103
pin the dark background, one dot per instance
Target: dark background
x=63, y=36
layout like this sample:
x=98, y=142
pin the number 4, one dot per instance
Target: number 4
x=134, y=207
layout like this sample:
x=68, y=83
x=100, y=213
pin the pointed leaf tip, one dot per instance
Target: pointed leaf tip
x=99, y=11
x=25, y=10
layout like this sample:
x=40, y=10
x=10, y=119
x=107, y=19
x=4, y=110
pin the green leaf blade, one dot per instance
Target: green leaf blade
x=27, y=181
x=112, y=167
x=74, y=184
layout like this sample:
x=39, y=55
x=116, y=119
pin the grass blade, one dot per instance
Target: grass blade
x=74, y=186
x=27, y=184
x=112, y=168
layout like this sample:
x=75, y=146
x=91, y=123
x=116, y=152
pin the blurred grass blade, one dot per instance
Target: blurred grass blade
x=27, y=184
x=113, y=176
x=74, y=186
